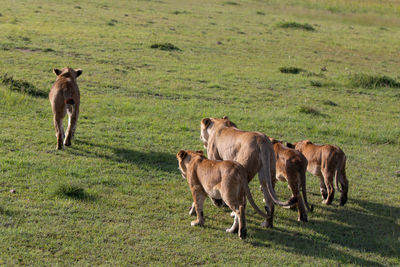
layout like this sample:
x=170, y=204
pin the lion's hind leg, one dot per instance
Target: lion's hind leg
x=294, y=185
x=72, y=111
x=235, y=226
x=322, y=187
x=58, y=125
x=344, y=184
x=192, y=211
x=328, y=179
x=234, y=206
x=239, y=221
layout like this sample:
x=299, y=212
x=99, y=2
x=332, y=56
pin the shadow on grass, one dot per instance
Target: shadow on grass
x=159, y=160
x=370, y=228
x=22, y=86
x=73, y=191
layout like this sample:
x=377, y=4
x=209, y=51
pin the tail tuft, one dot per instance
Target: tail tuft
x=69, y=101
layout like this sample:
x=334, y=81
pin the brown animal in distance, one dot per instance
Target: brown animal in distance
x=253, y=150
x=65, y=98
x=221, y=181
x=291, y=166
x=327, y=162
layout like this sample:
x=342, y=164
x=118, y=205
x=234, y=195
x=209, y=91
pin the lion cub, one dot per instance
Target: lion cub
x=291, y=166
x=326, y=162
x=64, y=98
x=220, y=180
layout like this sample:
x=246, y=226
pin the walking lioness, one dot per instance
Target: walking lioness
x=221, y=181
x=326, y=162
x=252, y=150
x=291, y=166
x=64, y=98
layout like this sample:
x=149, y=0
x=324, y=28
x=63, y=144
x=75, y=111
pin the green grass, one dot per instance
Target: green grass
x=116, y=197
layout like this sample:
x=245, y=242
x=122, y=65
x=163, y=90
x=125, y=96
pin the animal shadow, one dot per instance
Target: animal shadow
x=151, y=159
x=368, y=227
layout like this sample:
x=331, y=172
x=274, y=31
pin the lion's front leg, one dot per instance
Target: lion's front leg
x=198, y=198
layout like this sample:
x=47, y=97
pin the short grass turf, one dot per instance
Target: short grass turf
x=116, y=196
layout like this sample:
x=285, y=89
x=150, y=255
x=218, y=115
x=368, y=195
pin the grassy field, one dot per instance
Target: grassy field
x=322, y=70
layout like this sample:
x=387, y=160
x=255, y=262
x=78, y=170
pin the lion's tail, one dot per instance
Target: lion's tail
x=251, y=200
x=67, y=91
x=304, y=191
x=265, y=169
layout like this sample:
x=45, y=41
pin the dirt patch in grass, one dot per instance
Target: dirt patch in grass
x=372, y=81
x=27, y=50
x=165, y=47
x=72, y=191
x=21, y=86
x=34, y=50
x=296, y=25
x=291, y=70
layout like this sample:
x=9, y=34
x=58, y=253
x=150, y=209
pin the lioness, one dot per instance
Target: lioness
x=65, y=98
x=251, y=149
x=221, y=181
x=326, y=162
x=291, y=166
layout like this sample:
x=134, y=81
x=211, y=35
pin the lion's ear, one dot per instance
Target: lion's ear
x=225, y=118
x=78, y=73
x=57, y=71
x=206, y=122
x=181, y=154
x=200, y=152
x=289, y=145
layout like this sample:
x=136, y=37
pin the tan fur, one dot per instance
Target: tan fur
x=326, y=162
x=221, y=181
x=291, y=167
x=65, y=98
x=251, y=149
